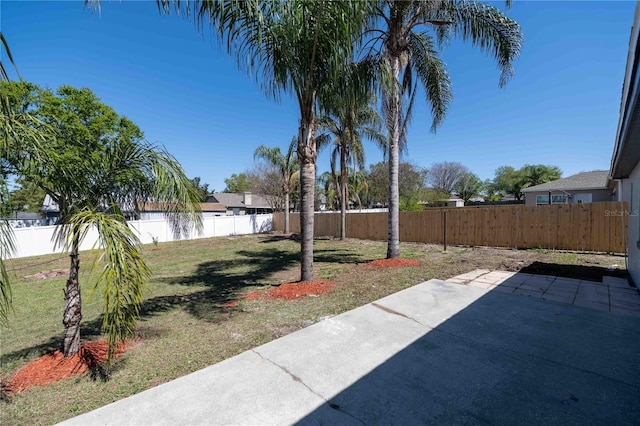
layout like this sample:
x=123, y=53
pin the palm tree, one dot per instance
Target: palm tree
x=97, y=166
x=350, y=119
x=408, y=58
x=287, y=166
x=358, y=186
x=328, y=184
x=298, y=47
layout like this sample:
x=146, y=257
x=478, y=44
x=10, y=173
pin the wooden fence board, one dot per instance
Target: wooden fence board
x=600, y=227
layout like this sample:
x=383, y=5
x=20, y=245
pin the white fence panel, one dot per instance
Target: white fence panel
x=38, y=240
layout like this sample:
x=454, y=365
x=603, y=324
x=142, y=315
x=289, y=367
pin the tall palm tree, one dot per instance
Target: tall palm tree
x=97, y=166
x=349, y=120
x=287, y=165
x=408, y=58
x=298, y=47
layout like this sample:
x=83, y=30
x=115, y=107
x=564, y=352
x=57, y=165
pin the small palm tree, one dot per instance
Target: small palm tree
x=96, y=166
x=329, y=183
x=358, y=186
x=287, y=165
x=408, y=57
x=350, y=120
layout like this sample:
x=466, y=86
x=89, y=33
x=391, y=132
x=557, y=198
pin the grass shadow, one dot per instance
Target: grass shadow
x=227, y=279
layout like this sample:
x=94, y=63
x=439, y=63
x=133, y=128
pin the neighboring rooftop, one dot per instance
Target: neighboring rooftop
x=238, y=200
x=597, y=179
x=206, y=207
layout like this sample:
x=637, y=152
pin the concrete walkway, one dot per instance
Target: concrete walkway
x=436, y=353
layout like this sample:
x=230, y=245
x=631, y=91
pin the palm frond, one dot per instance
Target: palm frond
x=487, y=28
x=124, y=276
x=433, y=74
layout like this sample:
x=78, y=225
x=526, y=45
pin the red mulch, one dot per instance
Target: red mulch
x=386, y=263
x=295, y=290
x=53, y=366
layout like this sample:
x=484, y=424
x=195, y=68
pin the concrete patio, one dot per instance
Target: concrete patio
x=436, y=353
x=611, y=295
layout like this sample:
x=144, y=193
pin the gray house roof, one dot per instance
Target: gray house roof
x=26, y=216
x=597, y=179
x=237, y=200
x=626, y=152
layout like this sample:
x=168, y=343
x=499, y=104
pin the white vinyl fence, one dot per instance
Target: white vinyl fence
x=38, y=240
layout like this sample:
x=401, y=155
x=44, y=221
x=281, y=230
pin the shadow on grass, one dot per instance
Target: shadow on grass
x=582, y=272
x=226, y=280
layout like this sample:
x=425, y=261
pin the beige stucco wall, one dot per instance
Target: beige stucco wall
x=634, y=224
x=596, y=195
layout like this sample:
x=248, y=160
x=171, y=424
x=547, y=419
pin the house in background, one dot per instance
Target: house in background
x=26, y=219
x=50, y=210
x=585, y=187
x=152, y=211
x=146, y=211
x=241, y=204
x=625, y=161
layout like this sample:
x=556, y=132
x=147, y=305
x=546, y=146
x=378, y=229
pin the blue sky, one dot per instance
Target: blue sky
x=561, y=108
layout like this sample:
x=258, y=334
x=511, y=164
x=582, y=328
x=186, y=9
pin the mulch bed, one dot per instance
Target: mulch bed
x=389, y=263
x=53, y=366
x=295, y=290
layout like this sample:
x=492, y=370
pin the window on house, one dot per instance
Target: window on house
x=542, y=199
x=555, y=199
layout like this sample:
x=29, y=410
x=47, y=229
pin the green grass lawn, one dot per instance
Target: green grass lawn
x=185, y=322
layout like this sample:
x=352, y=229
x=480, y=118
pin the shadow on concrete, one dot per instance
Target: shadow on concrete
x=581, y=272
x=503, y=359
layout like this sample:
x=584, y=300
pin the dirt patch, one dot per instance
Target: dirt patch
x=48, y=274
x=53, y=366
x=388, y=263
x=295, y=290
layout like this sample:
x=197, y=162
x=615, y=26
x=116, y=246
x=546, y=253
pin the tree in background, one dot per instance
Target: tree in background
x=202, y=188
x=536, y=174
x=28, y=197
x=237, y=183
x=444, y=176
x=468, y=186
x=491, y=193
x=97, y=166
x=409, y=58
x=508, y=180
x=411, y=179
x=328, y=185
x=287, y=166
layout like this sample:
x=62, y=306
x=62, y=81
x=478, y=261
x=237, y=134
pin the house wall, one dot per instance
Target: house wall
x=596, y=195
x=633, y=264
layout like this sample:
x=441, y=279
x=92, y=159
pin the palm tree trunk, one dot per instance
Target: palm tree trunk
x=72, y=304
x=393, y=242
x=286, y=211
x=307, y=156
x=343, y=194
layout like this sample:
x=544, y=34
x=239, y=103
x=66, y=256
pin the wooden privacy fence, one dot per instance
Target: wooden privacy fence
x=599, y=227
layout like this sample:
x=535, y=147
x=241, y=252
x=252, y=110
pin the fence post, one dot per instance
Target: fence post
x=445, y=230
